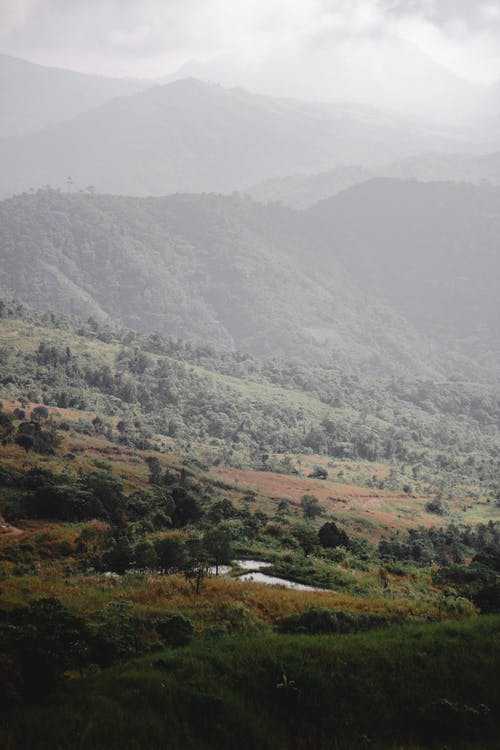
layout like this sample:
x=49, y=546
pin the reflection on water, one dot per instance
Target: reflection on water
x=255, y=577
x=252, y=564
x=273, y=581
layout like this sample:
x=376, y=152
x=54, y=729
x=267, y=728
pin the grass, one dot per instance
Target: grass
x=431, y=686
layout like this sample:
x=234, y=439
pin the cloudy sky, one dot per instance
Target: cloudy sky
x=153, y=37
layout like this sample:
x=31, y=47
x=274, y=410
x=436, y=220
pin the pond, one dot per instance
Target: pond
x=274, y=581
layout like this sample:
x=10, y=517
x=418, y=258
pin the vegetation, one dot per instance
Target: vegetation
x=127, y=529
x=396, y=688
x=242, y=410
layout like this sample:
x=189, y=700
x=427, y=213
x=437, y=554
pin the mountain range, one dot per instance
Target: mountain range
x=388, y=276
x=190, y=136
x=301, y=191
x=33, y=96
x=383, y=71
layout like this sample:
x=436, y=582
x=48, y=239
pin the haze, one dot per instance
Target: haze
x=249, y=374
x=399, y=55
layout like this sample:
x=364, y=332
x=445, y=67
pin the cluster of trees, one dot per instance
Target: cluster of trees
x=466, y=560
x=41, y=642
x=443, y=545
x=30, y=435
x=249, y=407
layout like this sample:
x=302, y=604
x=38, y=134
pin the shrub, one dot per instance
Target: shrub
x=175, y=630
x=320, y=621
x=331, y=536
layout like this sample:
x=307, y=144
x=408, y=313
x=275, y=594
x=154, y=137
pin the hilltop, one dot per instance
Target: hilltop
x=304, y=190
x=191, y=136
x=36, y=96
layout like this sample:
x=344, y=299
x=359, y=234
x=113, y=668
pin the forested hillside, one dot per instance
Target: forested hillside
x=243, y=410
x=430, y=251
x=219, y=269
x=388, y=276
x=133, y=553
x=302, y=191
x=191, y=136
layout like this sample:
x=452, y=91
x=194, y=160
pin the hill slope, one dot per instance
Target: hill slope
x=390, y=276
x=222, y=269
x=190, y=136
x=302, y=191
x=430, y=251
x=33, y=96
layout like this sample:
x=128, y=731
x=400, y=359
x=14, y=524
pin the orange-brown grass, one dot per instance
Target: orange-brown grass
x=308, y=462
x=373, y=511
x=58, y=414
x=79, y=451
x=154, y=595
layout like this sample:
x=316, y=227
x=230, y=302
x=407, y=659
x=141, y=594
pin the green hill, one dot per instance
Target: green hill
x=218, y=269
x=304, y=190
x=389, y=276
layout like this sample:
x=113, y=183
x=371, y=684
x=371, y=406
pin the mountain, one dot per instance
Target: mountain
x=301, y=191
x=33, y=96
x=190, y=136
x=220, y=269
x=377, y=70
x=429, y=251
x=353, y=278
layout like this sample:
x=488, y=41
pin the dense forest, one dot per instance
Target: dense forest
x=242, y=409
x=347, y=282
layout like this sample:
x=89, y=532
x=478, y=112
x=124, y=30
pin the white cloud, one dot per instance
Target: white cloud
x=153, y=37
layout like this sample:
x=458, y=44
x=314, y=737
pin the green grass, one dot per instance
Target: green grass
x=426, y=686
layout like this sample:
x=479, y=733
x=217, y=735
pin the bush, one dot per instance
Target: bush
x=319, y=621
x=331, y=536
x=175, y=630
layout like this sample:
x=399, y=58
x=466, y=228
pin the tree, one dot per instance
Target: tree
x=196, y=564
x=283, y=508
x=217, y=542
x=31, y=436
x=306, y=537
x=171, y=553
x=114, y=632
x=331, y=536
x=119, y=557
x=319, y=472
x=45, y=640
x=155, y=470
x=187, y=508
x=311, y=507
x=39, y=413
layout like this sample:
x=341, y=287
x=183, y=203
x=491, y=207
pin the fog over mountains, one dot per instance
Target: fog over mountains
x=393, y=267
x=302, y=190
x=190, y=136
x=34, y=96
x=387, y=73
x=390, y=276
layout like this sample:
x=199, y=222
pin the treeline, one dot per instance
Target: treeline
x=246, y=407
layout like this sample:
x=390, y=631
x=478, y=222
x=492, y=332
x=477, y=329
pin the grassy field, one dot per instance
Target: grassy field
x=403, y=688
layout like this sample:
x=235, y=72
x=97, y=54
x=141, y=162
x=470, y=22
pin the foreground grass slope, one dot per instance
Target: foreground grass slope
x=412, y=687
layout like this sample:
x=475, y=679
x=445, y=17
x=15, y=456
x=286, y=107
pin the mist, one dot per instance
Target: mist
x=249, y=374
x=430, y=59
